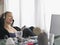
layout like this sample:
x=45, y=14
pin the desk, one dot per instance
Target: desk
x=24, y=41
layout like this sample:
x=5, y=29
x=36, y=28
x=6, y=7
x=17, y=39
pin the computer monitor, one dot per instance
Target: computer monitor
x=55, y=24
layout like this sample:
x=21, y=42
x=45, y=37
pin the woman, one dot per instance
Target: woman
x=42, y=38
x=6, y=29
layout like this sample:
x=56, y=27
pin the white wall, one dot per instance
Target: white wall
x=40, y=14
x=27, y=13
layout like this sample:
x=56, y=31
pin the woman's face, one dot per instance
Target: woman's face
x=9, y=18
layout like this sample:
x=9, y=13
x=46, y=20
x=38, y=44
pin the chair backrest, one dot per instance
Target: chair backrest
x=55, y=24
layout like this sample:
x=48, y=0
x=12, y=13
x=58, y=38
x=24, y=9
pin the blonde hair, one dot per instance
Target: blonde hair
x=37, y=31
